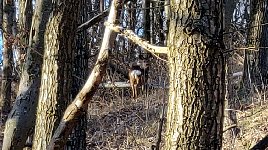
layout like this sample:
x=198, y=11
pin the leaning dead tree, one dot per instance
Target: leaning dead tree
x=81, y=101
x=79, y=104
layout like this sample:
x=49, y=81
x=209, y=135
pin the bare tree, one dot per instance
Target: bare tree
x=17, y=129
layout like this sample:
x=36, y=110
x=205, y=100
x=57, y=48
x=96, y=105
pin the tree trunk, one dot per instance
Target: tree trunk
x=1, y=13
x=21, y=119
x=231, y=102
x=196, y=70
x=77, y=140
x=252, y=69
x=263, y=64
x=56, y=82
x=5, y=99
x=80, y=103
x=24, y=25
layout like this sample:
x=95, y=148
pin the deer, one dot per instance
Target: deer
x=138, y=76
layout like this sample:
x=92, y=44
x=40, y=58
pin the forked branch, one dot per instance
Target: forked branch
x=137, y=40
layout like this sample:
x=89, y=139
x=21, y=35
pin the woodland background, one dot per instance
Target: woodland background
x=33, y=31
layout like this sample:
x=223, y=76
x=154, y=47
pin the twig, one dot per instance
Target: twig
x=93, y=21
x=229, y=127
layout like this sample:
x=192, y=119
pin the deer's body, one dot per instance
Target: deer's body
x=138, y=75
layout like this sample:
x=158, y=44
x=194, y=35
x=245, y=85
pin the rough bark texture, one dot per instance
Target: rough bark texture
x=56, y=81
x=1, y=13
x=81, y=101
x=5, y=99
x=77, y=140
x=21, y=119
x=252, y=68
x=231, y=102
x=197, y=82
x=264, y=45
x=24, y=26
x=229, y=11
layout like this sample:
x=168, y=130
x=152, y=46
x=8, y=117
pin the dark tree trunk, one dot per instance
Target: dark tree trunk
x=8, y=38
x=252, y=69
x=77, y=139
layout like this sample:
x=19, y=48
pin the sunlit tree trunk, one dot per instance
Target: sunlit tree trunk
x=196, y=71
x=56, y=81
x=21, y=119
x=8, y=38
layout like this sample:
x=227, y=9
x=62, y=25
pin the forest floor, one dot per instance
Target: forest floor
x=252, y=124
x=133, y=124
x=129, y=124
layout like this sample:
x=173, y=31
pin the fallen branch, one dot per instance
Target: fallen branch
x=137, y=40
x=229, y=127
x=127, y=85
x=80, y=103
x=115, y=85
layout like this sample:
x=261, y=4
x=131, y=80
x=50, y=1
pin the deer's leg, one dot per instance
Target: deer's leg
x=135, y=89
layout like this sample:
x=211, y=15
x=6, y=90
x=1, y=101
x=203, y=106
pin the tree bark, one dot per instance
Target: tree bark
x=81, y=101
x=5, y=99
x=1, y=14
x=263, y=64
x=56, y=81
x=24, y=27
x=80, y=71
x=231, y=102
x=252, y=70
x=197, y=76
x=21, y=119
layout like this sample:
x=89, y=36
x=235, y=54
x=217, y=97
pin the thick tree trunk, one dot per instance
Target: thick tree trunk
x=197, y=82
x=56, y=81
x=80, y=103
x=21, y=119
x=5, y=99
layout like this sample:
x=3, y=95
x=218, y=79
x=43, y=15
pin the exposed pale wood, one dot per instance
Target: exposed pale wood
x=115, y=85
x=137, y=40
